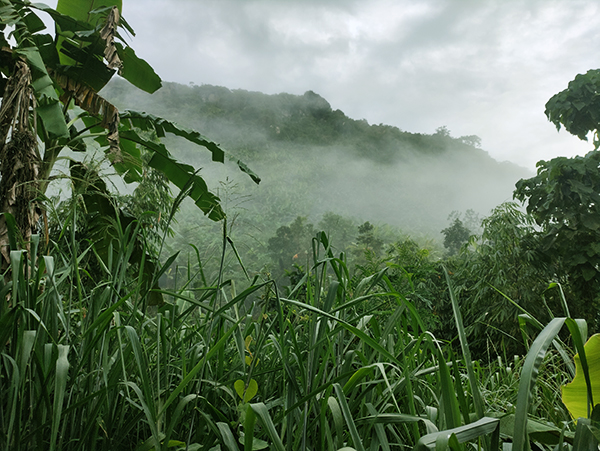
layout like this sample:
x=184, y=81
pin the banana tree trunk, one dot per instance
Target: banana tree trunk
x=19, y=160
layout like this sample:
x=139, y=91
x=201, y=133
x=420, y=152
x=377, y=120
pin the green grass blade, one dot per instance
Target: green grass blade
x=12, y=397
x=192, y=373
x=397, y=418
x=177, y=413
x=263, y=413
x=529, y=375
x=16, y=259
x=338, y=420
x=379, y=429
x=360, y=334
x=584, y=437
x=348, y=417
x=249, y=423
x=466, y=433
x=358, y=375
x=12, y=230
x=142, y=367
x=148, y=412
x=448, y=395
x=27, y=340
x=460, y=393
x=60, y=384
x=7, y=322
x=477, y=398
x=227, y=436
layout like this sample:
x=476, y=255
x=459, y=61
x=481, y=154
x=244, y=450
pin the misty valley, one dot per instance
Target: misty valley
x=193, y=267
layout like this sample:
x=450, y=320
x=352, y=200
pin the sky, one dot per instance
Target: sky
x=477, y=67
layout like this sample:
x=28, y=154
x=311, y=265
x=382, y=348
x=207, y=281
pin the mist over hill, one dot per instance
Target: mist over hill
x=313, y=159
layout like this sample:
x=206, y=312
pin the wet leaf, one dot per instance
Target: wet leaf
x=246, y=393
x=574, y=394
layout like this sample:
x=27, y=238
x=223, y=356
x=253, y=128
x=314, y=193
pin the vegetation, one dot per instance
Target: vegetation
x=45, y=76
x=314, y=159
x=296, y=341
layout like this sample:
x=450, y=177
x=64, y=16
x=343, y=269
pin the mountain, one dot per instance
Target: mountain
x=314, y=159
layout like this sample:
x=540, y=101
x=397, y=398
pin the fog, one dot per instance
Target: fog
x=415, y=195
x=413, y=187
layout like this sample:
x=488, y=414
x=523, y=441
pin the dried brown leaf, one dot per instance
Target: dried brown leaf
x=108, y=33
x=86, y=98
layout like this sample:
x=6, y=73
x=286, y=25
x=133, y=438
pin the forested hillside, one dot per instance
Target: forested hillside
x=314, y=159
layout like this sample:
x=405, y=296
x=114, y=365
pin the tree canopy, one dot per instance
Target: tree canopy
x=564, y=196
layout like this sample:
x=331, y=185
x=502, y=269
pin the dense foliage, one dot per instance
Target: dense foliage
x=279, y=334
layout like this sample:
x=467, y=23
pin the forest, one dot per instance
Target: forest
x=199, y=268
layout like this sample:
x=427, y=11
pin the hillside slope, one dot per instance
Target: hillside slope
x=314, y=159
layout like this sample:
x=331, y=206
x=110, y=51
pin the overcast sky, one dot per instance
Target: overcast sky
x=479, y=67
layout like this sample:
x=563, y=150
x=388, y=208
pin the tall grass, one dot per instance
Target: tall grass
x=339, y=363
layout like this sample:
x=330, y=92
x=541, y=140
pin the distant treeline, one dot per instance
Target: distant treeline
x=314, y=159
x=301, y=119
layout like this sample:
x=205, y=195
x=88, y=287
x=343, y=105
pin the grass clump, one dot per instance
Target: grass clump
x=339, y=361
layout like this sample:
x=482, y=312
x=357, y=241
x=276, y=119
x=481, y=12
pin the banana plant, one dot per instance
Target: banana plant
x=49, y=86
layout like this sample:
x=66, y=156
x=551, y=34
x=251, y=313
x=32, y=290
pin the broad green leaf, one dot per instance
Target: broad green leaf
x=482, y=427
x=246, y=393
x=48, y=108
x=82, y=9
x=244, y=168
x=181, y=175
x=137, y=71
x=65, y=22
x=574, y=394
x=88, y=69
x=130, y=168
x=53, y=119
x=162, y=126
x=34, y=23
